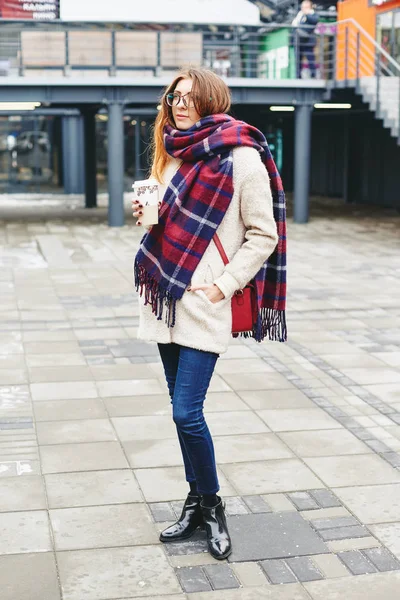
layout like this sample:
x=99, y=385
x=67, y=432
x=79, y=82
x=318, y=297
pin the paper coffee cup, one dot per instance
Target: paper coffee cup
x=150, y=214
x=147, y=192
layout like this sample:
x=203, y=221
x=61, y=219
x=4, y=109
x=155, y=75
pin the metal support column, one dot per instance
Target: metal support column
x=90, y=159
x=116, y=164
x=72, y=144
x=302, y=156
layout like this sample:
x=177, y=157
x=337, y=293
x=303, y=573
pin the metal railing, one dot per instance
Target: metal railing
x=341, y=52
x=361, y=61
x=271, y=51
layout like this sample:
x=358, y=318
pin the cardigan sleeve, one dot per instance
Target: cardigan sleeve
x=261, y=235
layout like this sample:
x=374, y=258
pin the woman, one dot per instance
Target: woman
x=214, y=175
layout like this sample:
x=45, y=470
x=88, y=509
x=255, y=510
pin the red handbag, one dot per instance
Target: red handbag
x=244, y=305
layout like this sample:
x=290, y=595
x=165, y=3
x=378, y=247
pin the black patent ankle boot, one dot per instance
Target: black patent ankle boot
x=218, y=538
x=190, y=519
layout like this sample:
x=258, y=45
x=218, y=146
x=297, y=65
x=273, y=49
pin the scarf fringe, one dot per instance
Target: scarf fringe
x=155, y=295
x=271, y=324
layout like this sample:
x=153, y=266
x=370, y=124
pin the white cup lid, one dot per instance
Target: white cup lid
x=146, y=182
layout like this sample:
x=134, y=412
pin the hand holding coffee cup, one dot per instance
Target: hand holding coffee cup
x=147, y=201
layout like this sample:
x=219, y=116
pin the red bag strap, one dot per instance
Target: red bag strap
x=220, y=249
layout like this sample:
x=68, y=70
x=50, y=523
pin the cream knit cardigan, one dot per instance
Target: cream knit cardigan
x=248, y=234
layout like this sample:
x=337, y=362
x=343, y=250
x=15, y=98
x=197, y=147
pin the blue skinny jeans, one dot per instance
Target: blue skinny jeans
x=188, y=373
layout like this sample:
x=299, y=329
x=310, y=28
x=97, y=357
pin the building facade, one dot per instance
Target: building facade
x=380, y=18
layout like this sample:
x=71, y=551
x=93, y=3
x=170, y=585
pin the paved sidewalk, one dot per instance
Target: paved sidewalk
x=307, y=433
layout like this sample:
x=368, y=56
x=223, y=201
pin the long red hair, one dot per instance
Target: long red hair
x=211, y=96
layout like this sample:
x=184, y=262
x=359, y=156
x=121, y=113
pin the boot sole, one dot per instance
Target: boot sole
x=182, y=537
x=222, y=556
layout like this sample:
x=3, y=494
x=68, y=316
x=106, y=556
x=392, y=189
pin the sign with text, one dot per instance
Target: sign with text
x=39, y=9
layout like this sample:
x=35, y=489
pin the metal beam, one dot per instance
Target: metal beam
x=90, y=159
x=116, y=164
x=302, y=156
x=72, y=144
x=243, y=91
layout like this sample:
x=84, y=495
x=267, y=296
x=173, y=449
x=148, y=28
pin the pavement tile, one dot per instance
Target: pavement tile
x=309, y=444
x=364, y=587
x=365, y=376
x=265, y=477
x=357, y=563
x=46, y=347
x=276, y=399
x=129, y=387
x=342, y=533
x=102, y=526
x=267, y=592
x=372, y=503
x=141, y=571
x=193, y=579
x=235, y=506
x=61, y=373
x=103, y=334
x=65, y=458
x=278, y=502
x=92, y=488
x=75, y=432
x=249, y=574
x=303, y=501
x=144, y=428
x=331, y=522
x=249, y=447
x=133, y=406
x=192, y=560
x=162, y=512
x=68, y=410
x=118, y=372
x=389, y=535
x=353, y=361
x=257, y=381
x=54, y=360
x=25, y=531
x=325, y=513
x=299, y=419
x=36, y=580
x=22, y=493
x=353, y=544
x=330, y=565
x=382, y=559
x=218, y=384
x=387, y=392
x=63, y=390
x=13, y=376
x=221, y=576
x=304, y=568
x=243, y=365
x=257, y=504
x=197, y=545
x=278, y=572
x=224, y=401
x=344, y=471
x=163, y=484
x=235, y=423
x=325, y=498
x=288, y=535
x=148, y=453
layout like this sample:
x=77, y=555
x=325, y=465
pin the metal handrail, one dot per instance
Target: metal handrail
x=371, y=39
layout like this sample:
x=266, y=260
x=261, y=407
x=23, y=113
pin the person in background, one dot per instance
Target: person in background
x=304, y=38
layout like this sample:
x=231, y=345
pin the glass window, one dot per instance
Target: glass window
x=388, y=32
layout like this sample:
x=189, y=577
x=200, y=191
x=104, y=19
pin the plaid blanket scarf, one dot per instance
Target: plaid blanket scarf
x=193, y=207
